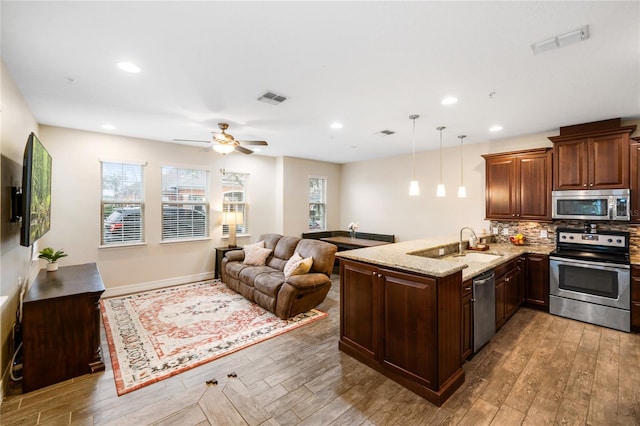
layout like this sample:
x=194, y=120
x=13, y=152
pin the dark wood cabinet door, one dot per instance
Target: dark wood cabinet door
x=467, y=319
x=534, y=189
x=410, y=326
x=512, y=292
x=634, y=181
x=500, y=187
x=635, y=299
x=537, y=281
x=609, y=162
x=360, y=307
x=500, y=301
x=570, y=164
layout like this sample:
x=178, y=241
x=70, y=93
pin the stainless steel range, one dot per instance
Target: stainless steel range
x=590, y=277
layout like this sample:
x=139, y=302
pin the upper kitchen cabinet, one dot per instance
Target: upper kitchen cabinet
x=592, y=156
x=635, y=188
x=518, y=185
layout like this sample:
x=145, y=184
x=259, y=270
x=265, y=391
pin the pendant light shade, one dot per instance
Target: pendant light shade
x=414, y=186
x=440, y=190
x=462, y=191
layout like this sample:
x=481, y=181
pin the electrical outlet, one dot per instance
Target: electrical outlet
x=543, y=233
x=441, y=252
x=495, y=230
x=19, y=280
x=505, y=231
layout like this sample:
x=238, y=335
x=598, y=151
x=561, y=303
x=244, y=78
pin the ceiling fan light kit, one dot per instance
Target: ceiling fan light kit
x=224, y=143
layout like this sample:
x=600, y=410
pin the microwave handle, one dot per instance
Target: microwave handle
x=612, y=200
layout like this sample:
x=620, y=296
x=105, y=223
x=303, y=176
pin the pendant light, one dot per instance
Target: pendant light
x=414, y=187
x=440, y=191
x=462, y=191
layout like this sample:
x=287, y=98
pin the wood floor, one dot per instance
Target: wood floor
x=539, y=369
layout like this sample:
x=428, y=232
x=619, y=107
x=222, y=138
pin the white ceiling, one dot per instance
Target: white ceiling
x=368, y=65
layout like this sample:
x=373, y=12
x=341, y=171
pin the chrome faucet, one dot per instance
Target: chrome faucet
x=473, y=235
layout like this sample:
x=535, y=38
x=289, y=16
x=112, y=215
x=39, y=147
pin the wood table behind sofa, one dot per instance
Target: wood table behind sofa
x=348, y=243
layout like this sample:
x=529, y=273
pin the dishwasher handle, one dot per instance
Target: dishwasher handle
x=483, y=279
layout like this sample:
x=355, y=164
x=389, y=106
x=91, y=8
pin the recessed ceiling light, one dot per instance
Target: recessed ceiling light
x=108, y=126
x=128, y=67
x=449, y=100
x=336, y=125
x=495, y=128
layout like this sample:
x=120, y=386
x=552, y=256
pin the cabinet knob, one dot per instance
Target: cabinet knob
x=507, y=279
x=590, y=184
x=513, y=214
x=584, y=184
x=467, y=288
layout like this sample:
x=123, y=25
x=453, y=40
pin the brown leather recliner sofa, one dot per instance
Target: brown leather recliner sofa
x=267, y=286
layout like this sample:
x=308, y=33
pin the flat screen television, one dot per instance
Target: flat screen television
x=36, y=192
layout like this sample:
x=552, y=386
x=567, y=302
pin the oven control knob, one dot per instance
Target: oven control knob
x=619, y=241
x=610, y=240
x=571, y=237
x=564, y=237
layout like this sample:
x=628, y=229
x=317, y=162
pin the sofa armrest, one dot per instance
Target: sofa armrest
x=308, y=281
x=235, y=255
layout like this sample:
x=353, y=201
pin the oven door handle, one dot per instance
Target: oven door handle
x=587, y=263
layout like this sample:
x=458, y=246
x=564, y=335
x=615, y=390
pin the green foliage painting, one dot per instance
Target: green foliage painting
x=39, y=192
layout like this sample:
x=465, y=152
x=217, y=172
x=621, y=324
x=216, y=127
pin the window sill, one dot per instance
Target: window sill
x=123, y=245
x=226, y=237
x=190, y=240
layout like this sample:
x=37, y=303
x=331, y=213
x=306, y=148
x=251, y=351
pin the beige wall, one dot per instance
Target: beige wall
x=16, y=122
x=376, y=193
x=76, y=218
x=295, y=200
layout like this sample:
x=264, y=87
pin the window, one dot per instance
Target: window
x=185, y=210
x=122, y=205
x=234, y=199
x=317, y=200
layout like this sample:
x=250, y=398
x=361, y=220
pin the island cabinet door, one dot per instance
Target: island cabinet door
x=409, y=335
x=359, y=308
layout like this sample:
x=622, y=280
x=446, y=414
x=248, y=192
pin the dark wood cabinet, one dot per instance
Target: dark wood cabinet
x=518, y=185
x=536, y=293
x=407, y=326
x=508, y=290
x=467, y=319
x=634, y=160
x=61, y=326
x=635, y=299
x=595, y=160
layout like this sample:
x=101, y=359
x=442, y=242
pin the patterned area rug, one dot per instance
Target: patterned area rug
x=161, y=333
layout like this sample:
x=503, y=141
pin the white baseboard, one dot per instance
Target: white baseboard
x=154, y=285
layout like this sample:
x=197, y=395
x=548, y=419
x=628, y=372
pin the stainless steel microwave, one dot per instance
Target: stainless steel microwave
x=608, y=204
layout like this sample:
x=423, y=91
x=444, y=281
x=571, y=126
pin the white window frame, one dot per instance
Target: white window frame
x=315, y=204
x=231, y=203
x=190, y=194
x=131, y=174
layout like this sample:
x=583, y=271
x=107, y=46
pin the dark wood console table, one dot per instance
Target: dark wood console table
x=61, y=326
x=348, y=243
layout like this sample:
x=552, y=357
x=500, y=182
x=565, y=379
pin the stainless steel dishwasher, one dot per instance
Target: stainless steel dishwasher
x=484, y=309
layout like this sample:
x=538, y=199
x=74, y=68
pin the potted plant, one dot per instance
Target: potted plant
x=51, y=257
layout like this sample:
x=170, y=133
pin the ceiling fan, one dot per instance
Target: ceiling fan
x=224, y=143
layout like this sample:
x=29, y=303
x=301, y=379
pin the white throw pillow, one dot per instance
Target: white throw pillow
x=256, y=254
x=296, y=265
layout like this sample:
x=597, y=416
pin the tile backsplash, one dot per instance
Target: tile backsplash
x=531, y=231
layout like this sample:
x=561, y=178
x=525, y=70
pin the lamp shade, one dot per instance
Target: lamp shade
x=440, y=191
x=232, y=218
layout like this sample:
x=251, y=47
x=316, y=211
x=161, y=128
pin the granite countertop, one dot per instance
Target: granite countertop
x=397, y=256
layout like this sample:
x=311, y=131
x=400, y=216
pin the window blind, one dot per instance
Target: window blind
x=185, y=209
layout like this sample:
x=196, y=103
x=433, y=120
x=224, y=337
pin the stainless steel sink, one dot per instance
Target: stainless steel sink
x=472, y=257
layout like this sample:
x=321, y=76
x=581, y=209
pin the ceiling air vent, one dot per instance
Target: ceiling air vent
x=387, y=132
x=271, y=98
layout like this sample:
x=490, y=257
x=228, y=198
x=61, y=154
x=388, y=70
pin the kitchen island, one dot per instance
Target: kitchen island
x=401, y=310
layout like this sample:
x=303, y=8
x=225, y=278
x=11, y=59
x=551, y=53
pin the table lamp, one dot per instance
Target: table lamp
x=232, y=219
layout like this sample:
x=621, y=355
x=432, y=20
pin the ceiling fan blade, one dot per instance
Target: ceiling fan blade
x=190, y=140
x=262, y=143
x=243, y=150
